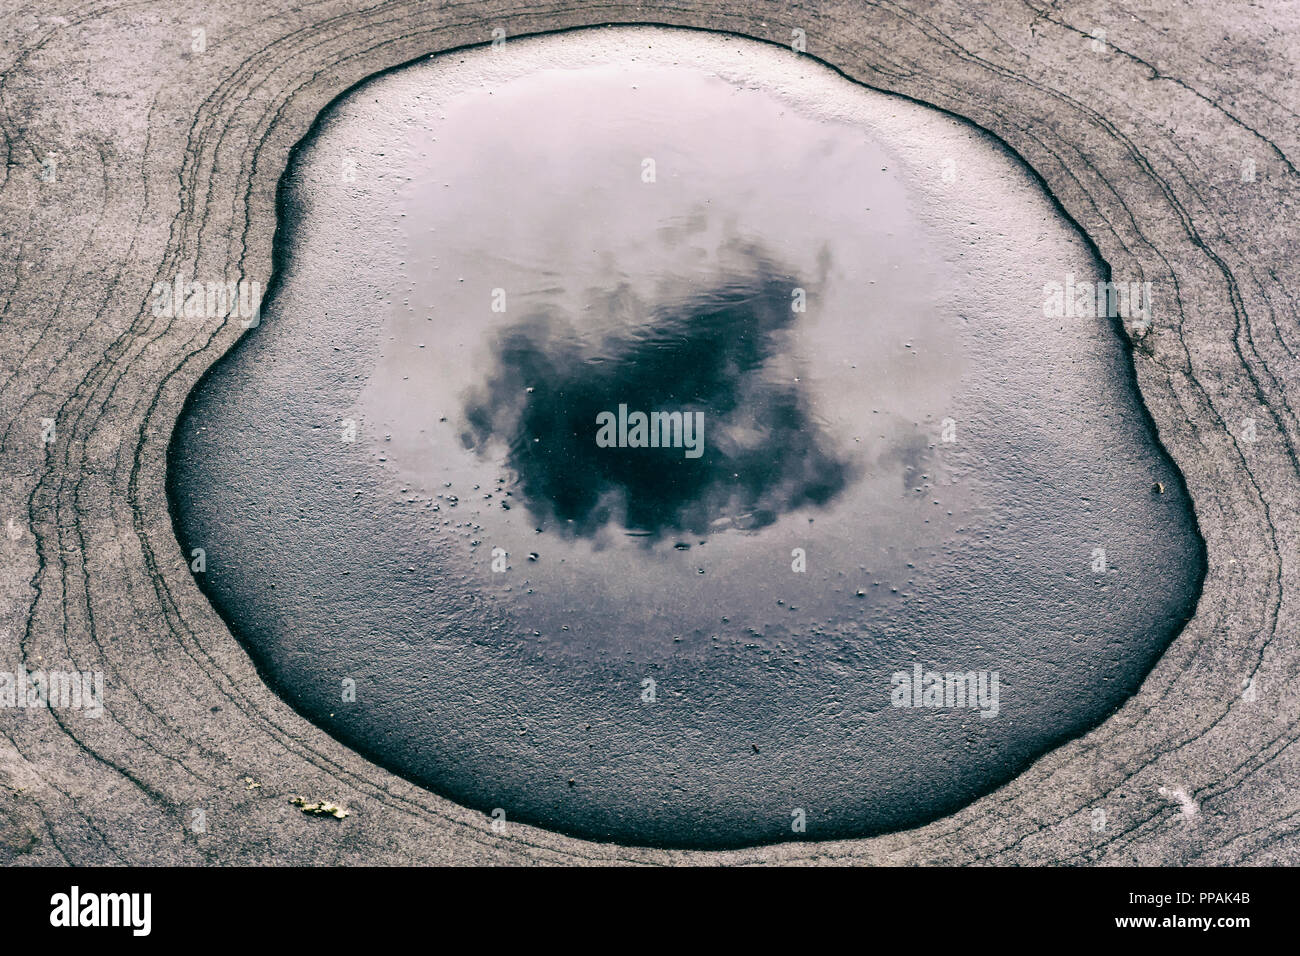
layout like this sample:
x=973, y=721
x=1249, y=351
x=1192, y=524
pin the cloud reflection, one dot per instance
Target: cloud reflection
x=723, y=350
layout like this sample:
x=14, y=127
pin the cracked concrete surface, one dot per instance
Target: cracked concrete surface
x=1171, y=141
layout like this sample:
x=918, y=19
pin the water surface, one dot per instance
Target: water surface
x=398, y=480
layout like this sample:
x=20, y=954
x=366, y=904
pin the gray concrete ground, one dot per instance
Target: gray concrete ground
x=1166, y=130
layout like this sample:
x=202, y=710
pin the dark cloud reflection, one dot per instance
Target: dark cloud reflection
x=722, y=351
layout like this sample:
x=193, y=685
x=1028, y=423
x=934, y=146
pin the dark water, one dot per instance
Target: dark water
x=714, y=357
x=888, y=456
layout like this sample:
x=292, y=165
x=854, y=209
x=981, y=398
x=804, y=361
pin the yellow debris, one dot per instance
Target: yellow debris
x=319, y=809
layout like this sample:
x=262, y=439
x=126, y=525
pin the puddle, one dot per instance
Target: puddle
x=640, y=409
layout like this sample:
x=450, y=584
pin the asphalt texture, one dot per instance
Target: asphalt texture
x=1163, y=131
